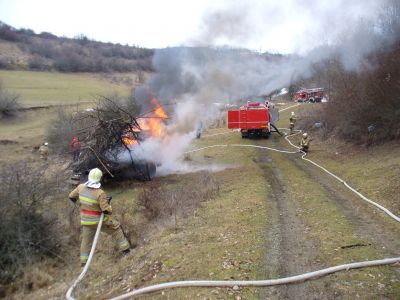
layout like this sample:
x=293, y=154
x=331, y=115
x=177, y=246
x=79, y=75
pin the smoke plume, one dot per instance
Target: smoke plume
x=189, y=80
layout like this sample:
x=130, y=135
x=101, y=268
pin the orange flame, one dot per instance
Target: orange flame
x=152, y=125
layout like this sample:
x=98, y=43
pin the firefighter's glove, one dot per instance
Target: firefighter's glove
x=73, y=200
x=109, y=198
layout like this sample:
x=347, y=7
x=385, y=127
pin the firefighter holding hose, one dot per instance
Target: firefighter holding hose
x=44, y=151
x=292, y=121
x=92, y=201
x=305, y=143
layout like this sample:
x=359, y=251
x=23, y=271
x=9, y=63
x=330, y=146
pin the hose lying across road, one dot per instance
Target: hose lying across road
x=392, y=215
x=243, y=283
x=246, y=283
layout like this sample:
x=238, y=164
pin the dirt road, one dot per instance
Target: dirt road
x=315, y=223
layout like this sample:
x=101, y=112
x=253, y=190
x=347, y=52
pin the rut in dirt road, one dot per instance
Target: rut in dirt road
x=369, y=223
x=289, y=251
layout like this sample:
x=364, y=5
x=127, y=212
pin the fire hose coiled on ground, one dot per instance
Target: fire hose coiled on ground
x=255, y=283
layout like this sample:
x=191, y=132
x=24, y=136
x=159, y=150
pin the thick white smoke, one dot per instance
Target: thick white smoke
x=196, y=77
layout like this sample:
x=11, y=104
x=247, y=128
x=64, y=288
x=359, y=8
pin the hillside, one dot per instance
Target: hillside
x=223, y=204
x=23, y=49
x=263, y=215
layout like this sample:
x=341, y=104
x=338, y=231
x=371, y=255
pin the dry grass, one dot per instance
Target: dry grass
x=162, y=201
x=222, y=238
x=373, y=171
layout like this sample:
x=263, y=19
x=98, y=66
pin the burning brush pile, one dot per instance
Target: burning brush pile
x=111, y=134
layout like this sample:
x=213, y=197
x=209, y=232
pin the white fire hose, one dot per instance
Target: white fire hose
x=259, y=283
x=246, y=283
x=83, y=273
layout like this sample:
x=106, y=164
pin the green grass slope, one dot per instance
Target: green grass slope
x=52, y=88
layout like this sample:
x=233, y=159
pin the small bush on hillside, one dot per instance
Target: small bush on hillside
x=9, y=103
x=61, y=131
x=161, y=202
x=27, y=231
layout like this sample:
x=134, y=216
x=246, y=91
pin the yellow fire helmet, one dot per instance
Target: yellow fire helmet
x=305, y=134
x=95, y=175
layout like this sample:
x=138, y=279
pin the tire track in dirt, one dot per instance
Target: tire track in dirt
x=289, y=250
x=370, y=224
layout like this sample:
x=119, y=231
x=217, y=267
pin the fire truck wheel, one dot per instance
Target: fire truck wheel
x=312, y=100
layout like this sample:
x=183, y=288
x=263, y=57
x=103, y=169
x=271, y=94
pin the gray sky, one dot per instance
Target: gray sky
x=284, y=26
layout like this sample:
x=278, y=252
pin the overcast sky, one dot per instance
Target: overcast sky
x=284, y=26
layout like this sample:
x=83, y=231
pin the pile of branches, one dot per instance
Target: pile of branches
x=102, y=131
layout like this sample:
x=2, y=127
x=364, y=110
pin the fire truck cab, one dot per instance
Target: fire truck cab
x=252, y=119
x=311, y=95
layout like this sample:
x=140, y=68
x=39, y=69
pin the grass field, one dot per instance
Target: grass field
x=20, y=136
x=52, y=88
x=226, y=237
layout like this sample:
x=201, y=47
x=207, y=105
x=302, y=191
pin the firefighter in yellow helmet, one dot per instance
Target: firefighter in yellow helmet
x=305, y=143
x=292, y=121
x=44, y=151
x=92, y=201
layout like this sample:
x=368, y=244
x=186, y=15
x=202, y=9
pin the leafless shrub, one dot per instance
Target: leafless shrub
x=152, y=199
x=61, y=131
x=9, y=103
x=363, y=106
x=26, y=226
x=179, y=201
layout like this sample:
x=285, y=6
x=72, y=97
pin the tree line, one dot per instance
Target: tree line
x=48, y=52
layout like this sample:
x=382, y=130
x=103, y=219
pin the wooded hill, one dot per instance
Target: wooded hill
x=23, y=49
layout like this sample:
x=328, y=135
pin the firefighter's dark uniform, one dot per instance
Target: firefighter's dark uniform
x=92, y=201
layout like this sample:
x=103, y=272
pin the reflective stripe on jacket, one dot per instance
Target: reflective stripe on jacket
x=304, y=142
x=92, y=202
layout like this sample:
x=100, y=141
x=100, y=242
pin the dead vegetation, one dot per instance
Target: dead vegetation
x=364, y=106
x=27, y=224
x=101, y=131
x=9, y=103
x=45, y=52
x=174, y=203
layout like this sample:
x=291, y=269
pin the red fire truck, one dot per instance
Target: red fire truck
x=312, y=95
x=252, y=119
